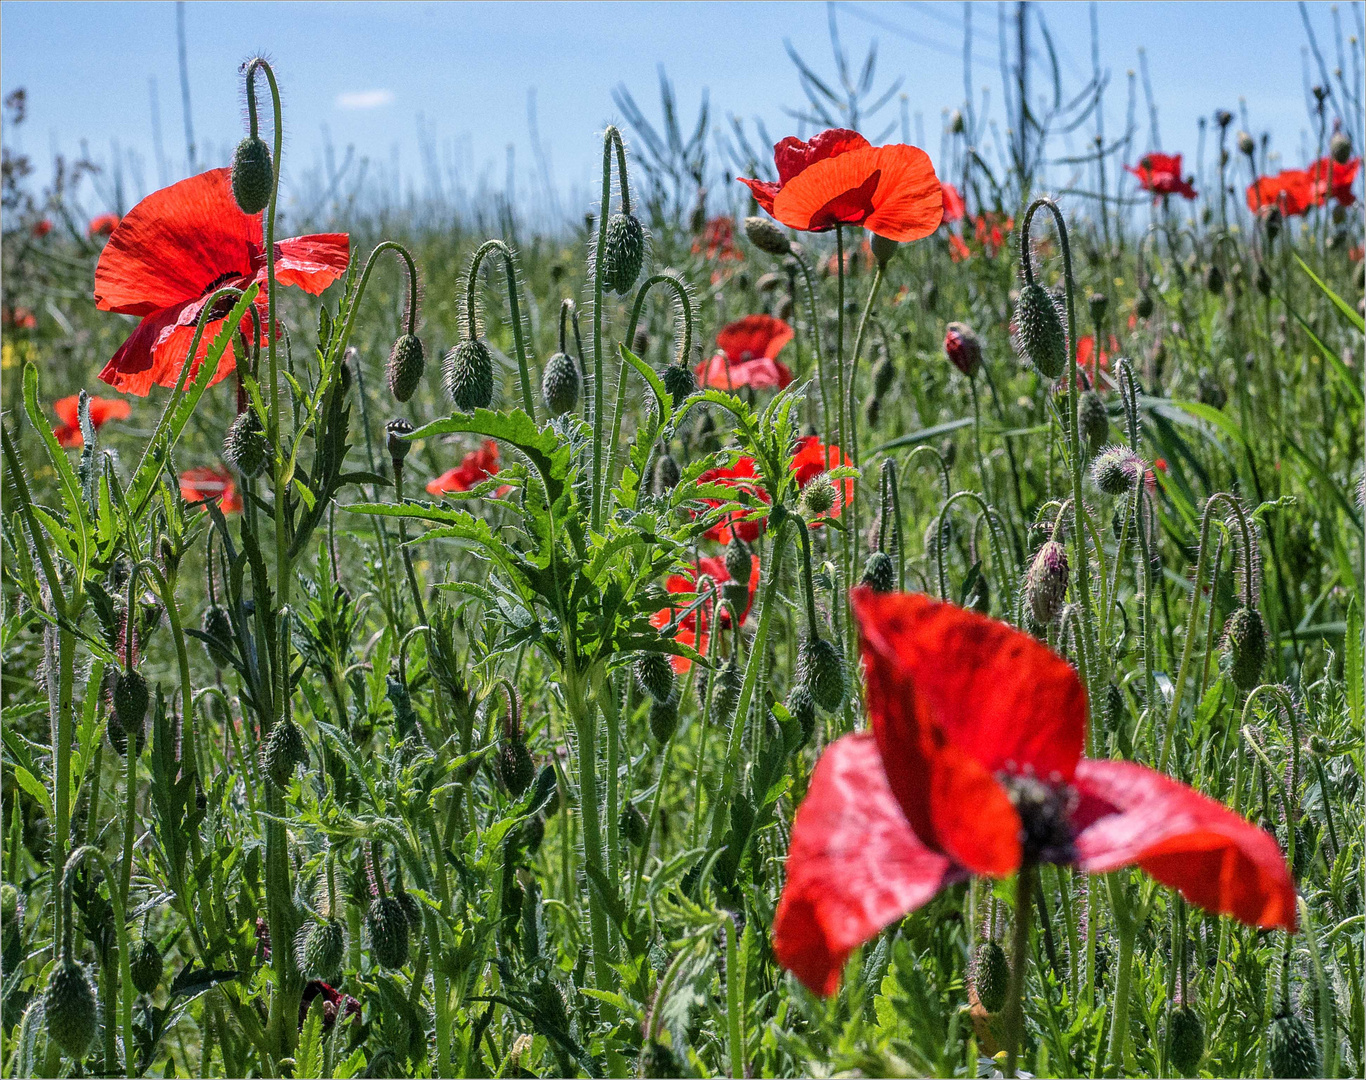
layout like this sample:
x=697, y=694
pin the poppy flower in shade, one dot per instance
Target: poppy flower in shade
x=811, y=458
x=171, y=252
x=42, y=227
x=1328, y=179
x=717, y=241
x=1290, y=191
x=954, y=207
x=974, y=765
x=102, y=410
x=745, y=476
x=1161, y=174
x=746, y=355
x=210, y=482
x=692, y=629
x=476, y=467
x=102, y=225
x=839, y=178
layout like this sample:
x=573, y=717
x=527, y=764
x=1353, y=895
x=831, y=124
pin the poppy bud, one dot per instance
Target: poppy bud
x=396, y=442
x=560, y=384
x=819, y=496
x=990, y=975
x=218, y=626
x=1291, y=1050
x=1046, y=582
x=725, y=696
x=666, y=475
x=145, y=965
x=1186, y=1037
x=284, y=751
x=1214, y=279
x=1143, y=306
x=70, y=1009
x=515, y=765
x=1116, y=470
x=956, y=124
x=1098, y=302
x=1340, y=147
x=549, y=1004
x=623, y=252
x=1271, y=221
x=641, y=343
x=632, y=825
x=879, y=574
x=738, y=560
x=1094, y=420
x=656, y=675
x=130, y=710
x=801, y=706
x=467, y=375
x=884, y=374
x=253, y=176
x=323, y=949
x=245, y=447
x=821, y=667
x=963, y=348
x=532, y=834
x=386, y=923
x=1039, y=332
x=767, y=237
x=406, y=365
x=664, y=718
x=883, y=249
x=872, y=410
x=679, y=381
x=980, y=597
x=1245, y=647
x=1262, y=280
x=1245, y=143
x=1223, y=117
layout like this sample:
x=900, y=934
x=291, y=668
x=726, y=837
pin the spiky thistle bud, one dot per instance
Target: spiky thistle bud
x=245, y=446
x=764, y=234
x=666, y=474
x=1116, y=470
x=679, y=381
x=990, y=976
x=145, y=965
x=1245, y=647
x=664, y=718
x=284, y=751
x=467, y=375
x=1187, y=1040
x=560, y=384
x=1094, y=420
x=963, y=348
x=1046, y=582
x=70, y=1009
x=253, y=175
x=879, y=573
x=322, y=947
x=386, y=924
x=1291, y=1049
x=407, y=362
x=656, y=675
x=1039, y=334
x=821, y=667
x=819, y=496
x=623, y=252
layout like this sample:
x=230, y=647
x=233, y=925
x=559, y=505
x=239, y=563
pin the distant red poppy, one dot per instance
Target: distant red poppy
x=211, y=482
x=746, y=351
x=958, y=248
x=476, y=467
x=42, y=227
x=1086, y=349
x=745, y=476
x=692, y=630
x=1161, y=174
x=954, y=207
x=971, y=719
x=18, y=318
x=102, y=225
x=812, y=458
x=839, y=178
x=1290, y=191
x=1328, y=179
x=102, y=410
x=990, y=230
x=171, y=252
x=717, y=241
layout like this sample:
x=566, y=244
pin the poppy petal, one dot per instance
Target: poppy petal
x=1212, y=856
x=791, y=156
x=763, y=191
x=130, y=370
x=906, y=202
x=758, y=335
x=312, y=262
x=854, y=866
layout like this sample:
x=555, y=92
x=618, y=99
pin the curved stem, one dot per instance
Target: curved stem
x=379, y=249
x=514, y=311
x=610, y=137
x=821, y=377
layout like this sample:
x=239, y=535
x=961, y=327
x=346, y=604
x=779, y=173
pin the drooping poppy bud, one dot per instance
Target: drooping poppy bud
x=884, y=374
x=632, y=825
x=990, y=975
x=801, y=706
x=963, y=348
x=1094, y=420
x=145, y=965
x=1046, y=582
x=467, y=375
x=821, y=667
x=130, y=711
x=623, y=252
x=407, y=362
x=1245, y=647
x=1291, y=1049
x=284, y=751
x=726, y=693
x=1116, y=470
x=1187, y=1040
x=738, y=560
x=245, y=446
x=1340, y=147
x=656, y=675
x=679, y=381
x=666, y=474
x=323, y=949
x=560, y=384
x=70, y=1009
x=1246, y=144
x=879, y=573
x=664, y=718
x=767, y=237
x=515, y=765
x=1098, y=302
x=386, y=923
x=253, y=175
x=883, y=249
x=1214, y=279
x=218, y=626
x=1040, y=336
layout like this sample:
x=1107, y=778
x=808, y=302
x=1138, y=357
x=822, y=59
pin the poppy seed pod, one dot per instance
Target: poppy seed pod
x=1246, y=143
x=1094, y=420
x=631, y=824
x=819, y=496
x=145, y=964
x=990, y=974
x=767, y=237
x=656, y=675
x=395, y=441
x=70, y=1009
x=1186, y=1037
x=1245, y=647
x=821, y=667
x=1116, y=470
x=1291, y=1050
x=560, y=384
x=1098, y=302
x=666, y=474
x=1143, y=306
x=801, y=706
x=407, y=362
x=323, y=949
x=218, y=626
x=883, y=249
x=253, y=176
x=1046, y=582
x=386, y=923
x=963, y=348
x=515, y=765
x=664, y=718
x=1340, y=147
x=679, y=381
x=1039, y=332
x=623, y=252
x=284, y=751
x=467, y=375
x=245, y=447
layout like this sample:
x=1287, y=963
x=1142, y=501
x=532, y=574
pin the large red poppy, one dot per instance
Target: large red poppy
x=811, y=458
x=1161, y=174
x=1328, y=179
x=211, y=482
x=692, y=629
x=966, y=713
x=170, y=253
x=1290, y=191
x=102, y=410
x=746, y=355
x=474, y=468
x=839, y=178
x=745, y=476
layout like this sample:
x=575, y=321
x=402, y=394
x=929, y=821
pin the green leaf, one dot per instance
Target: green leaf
x=309, y=1056
x=663, y=400
x=72, y=496
x=1347, y=310
x=542, y=446
x=1354, y=665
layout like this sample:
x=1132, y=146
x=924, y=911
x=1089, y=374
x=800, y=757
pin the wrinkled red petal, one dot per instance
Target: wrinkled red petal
x=854, y=866
x=129, y=370
x=721, y=373
x=313, y=262
x=954, y=207
x=757, y=335
x=1130, y=814
x=742, y=474
x=68, y=435
x=210, y=482
x=791, y=156
x=764, y=191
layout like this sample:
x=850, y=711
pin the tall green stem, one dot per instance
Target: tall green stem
x=1025, y=882
x=514, y=312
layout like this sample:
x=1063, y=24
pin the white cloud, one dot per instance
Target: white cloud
x=364, y=99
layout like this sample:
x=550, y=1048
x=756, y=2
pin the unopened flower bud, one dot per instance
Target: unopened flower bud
x=963, y=348
x=406, y=364
x=623, y=252
x=883, y=249
x=738, y=560
x=394, y=439
x=819, y=496
x=1116, y=470
x=679, y=381
x=467, y=374
x=764, y=234
x=1340, y=146
x=1046, y=582
x=253, y=176
x=1246, y=144
x=1097, y=302
x=1039, y=334
x=1143, y=306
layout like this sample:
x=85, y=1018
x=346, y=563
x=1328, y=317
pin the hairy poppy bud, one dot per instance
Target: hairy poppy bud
x=515, y=765
x=956, y=124
x=1245, y=647
x=467, y=375
x=1098, y=302
x=1263, y=280
x=819, y=496
x=284, y=751
x=872, y=410
x=632, y=825
x=963, y=348
x=1291, y=1050
x=1186, y=1037
x=883, y=249
x=726, y=693
x=1223, y=117
x=884, y=374
x=245, y=447
x=1094, y=420
x=1143, y=306
x=664, y=718
x=623, y=252
x=1116, y=470
x=560, y=384
x=218, y=626
x=666, y=474
x=145, y=966
x=821, y=667
x=253, y=176
x=738, y=560
x=1046, y=582
x=801, y=706
x=879, y=573
x=1245, y=143
x=386, y=923
x=656, y=675
x=130, y=711
x=766, y=236
x=395, y=441
x=70, y=1009
x=407, y=362
x=679, y=381
x=549, y=1004
x=1340, y=147
x=1039, y=332
x=990, y=974
x=322, y=949
x=1214, y=279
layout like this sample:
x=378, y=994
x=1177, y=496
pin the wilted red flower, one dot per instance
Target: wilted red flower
x=102, y=225
x=211, y=482
x=970, y=718
x=839, y=178
x=954, y=207
x=171, y=252
x=476, y=467
x=1161, y=174
x=692, y=629
x=334, y=1002
x=1290, y=191
x=102, y=410
x=746, y=351
x=745, y=476
x=1329, y=179
x=811, y=458
x=18, y=318
x=42, y=227
x=717, y=241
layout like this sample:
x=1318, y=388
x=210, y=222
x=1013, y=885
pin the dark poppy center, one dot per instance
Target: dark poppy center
x=1046, y=814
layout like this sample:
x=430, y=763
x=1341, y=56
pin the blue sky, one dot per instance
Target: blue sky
x=372, y=74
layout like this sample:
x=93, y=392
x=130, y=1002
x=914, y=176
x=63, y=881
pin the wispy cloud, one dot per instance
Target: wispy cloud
x=364, y=99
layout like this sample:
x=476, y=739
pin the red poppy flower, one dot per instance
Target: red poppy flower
x=1291, y=191
x=954, y=207
x=812, y=458
x=692, y=630
x=42, y=227
x=102, y=225
x=171, y=252
x=746, y=355
x=18, y=318
x=970, y=718
x=1086, y=350
x=102, y=410
x=1329, y=179
x=741, y=475
x=838, y=178
x=476, y=467
x=718, y=241
x=1161, y=174
x=990, y=230
x=210, y=482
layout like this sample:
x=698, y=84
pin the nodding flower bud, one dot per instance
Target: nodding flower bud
x=632, y=825
x=819, y=496
x=1046, y=582
x=820, y=667
x=1340, y=146
x=70, y=1009
x=1245, y=647
x=963, y=348
x=1116, y=470
x=515, y=765
x=801, y=706
x=1098, y=302
x=666, y=474
x=1271, y=220
x=1246, y=144
x=1094, y=420
x=929, y=293
x=656, y=675
x=884, y=374
x=738, y=560
x=883, y=249
x=1039, y=334
x=956, y=124
x=1291, y=1049
x=990, y=976
x=394, y=439
x=560, y=384
x=245, y=447
x=284, y=751
x=253, y=175
x=767, y=237
x=879, y=574
x=623, y=252
x=1223, y=117
x=679, y=381
x=1143, y=306
x=664, y=718
x=407, y=362
x=467, y=375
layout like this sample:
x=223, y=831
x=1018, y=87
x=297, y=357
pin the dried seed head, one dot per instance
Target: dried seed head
x=623, y=252
x=560, y=384
x=1046, y=582
x=1039, y=334
x=1116, y=470
x=467, y=375
x=963, y=348
x=253, y=176
x=245, y=447
x=407, y=362
x=764, y=234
